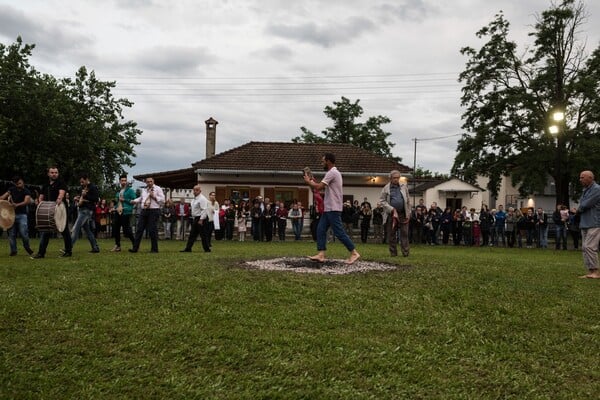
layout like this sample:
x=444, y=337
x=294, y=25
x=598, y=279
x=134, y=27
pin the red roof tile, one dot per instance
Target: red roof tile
x=276, y=156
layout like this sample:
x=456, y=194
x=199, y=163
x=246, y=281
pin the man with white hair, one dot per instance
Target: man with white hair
x=589, y=210
x=395, y=200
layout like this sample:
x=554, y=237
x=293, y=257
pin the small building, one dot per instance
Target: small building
x=275, y=169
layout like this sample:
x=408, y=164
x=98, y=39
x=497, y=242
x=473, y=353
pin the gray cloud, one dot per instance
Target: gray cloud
x=407, y=10
x=174, y=59
x=325, y=35
x=279, y=53
x=49, y=40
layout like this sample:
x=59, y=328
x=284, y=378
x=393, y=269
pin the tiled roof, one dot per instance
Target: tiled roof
x=276, y=156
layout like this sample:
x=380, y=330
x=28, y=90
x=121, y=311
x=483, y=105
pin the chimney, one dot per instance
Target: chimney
x=211, y=136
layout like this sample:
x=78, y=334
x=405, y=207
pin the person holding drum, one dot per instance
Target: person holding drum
x=19, y=198
x=151, y=201
x=87, y=206
x=54, y=191
x=122, y=212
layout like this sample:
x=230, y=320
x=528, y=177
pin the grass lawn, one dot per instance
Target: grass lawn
x=459, y=323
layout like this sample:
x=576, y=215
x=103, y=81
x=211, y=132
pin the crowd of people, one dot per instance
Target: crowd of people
x=393, y=220
x=496, y=227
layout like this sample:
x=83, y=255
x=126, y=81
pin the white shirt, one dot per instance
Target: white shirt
x=199, y=207
x=154, y=203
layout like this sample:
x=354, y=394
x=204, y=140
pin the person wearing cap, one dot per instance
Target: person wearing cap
x=395, y=200
x=19, y=198
x=589, y=212
x=332, y=183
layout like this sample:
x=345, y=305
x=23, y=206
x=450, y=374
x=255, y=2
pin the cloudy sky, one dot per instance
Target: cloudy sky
x=264, y=68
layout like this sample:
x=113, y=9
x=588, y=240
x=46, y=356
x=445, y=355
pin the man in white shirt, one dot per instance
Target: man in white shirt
x=151, y=201
x=200, y=223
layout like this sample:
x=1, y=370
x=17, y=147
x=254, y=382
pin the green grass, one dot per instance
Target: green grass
x=460, y=323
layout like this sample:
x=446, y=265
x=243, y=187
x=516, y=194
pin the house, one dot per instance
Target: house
x=275, y=169
x=453, y=193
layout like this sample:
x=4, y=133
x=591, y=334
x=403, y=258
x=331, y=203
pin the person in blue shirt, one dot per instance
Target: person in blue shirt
x=500, y=226
x=589, y=211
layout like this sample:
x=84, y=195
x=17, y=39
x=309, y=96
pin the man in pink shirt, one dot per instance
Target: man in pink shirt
x=333, y=184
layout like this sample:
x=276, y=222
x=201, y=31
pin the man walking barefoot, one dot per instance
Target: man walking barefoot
x=589, y=210
x=332, y=183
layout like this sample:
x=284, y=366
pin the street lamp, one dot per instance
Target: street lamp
x=557, y=116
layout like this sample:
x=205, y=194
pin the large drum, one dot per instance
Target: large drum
x=7, y=214
x=50, y=217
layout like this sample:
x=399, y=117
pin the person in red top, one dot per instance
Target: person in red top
x=316, y=210
x=182, y=211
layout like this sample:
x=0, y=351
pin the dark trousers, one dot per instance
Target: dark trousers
x=392, y=235
x=229, y=227
x=147, y=221
x=122, y=221
x=201, y=229
x=45, y=239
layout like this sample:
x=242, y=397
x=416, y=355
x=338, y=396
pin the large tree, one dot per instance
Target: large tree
x=75, y=124
x=368, y=135
x=510, y=100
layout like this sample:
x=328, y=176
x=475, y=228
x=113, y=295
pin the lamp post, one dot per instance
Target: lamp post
x=558, y=129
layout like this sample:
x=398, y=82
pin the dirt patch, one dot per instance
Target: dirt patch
x=331, y=267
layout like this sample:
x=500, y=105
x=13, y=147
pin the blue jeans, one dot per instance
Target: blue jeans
x=561, y=236
x=332, y=219
x=20, y=224
x=83, y=218
x=297, y=228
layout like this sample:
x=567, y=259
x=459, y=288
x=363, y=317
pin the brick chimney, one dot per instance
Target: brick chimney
x=211, y=136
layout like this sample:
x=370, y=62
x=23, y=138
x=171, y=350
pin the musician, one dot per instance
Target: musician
x=87, y=207
x=122, y=212
x=55, y=190
x=19, y=197
x=200, y=225
x=151, y=202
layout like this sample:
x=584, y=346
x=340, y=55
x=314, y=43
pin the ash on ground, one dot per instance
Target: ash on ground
x=330, y=266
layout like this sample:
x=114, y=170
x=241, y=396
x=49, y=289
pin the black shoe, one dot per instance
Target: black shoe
x=132, y=250
x=185, y=251
x=13, y=253
x=95, y=251
x=153, y=251
x=29, y=251
x=66, y=254
x=37, y=256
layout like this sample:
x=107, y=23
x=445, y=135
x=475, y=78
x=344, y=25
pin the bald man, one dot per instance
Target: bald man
x=589, y=210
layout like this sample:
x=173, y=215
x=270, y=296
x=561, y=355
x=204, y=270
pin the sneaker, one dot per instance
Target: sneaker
x=185, y=251
x=62, y=251
x=29, y=251
x=37, y=256
x=66, y=254
x=132, y=251
x=116, y=248
x=95, y=251
x=13, y=253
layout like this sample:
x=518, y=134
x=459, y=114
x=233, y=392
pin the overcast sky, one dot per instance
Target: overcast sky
x=264, y=68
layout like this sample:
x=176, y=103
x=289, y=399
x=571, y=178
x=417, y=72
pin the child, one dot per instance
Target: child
x=242, y=225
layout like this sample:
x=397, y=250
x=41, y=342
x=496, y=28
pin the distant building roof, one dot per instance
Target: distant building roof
x=286, y=158
x=278, y=156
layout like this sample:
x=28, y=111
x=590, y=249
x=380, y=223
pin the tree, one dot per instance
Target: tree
x=75, y=124
x=510, y=101
x=368, y=135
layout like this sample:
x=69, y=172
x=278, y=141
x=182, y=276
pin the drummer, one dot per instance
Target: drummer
x=19, y=197
x=55, y=190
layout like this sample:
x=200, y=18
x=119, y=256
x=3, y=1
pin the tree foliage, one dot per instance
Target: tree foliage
x=510, y=99
x=368, y=135
x=75, y=124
